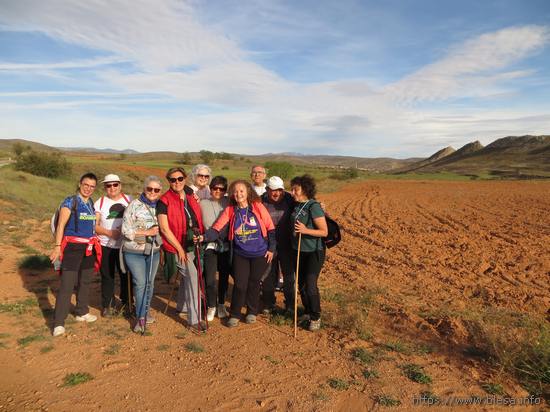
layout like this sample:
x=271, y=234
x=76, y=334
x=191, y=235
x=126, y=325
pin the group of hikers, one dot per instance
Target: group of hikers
x=250, y=230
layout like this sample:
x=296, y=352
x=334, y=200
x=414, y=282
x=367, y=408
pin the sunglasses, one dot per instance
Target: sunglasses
x=109, y=185
x=218, y=189
x=204, y=176
x=153, y=189
x=176, y=179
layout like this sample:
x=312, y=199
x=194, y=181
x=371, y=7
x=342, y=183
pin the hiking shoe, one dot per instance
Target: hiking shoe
x=232, y=322
x=250, y=318
x=314, y=325
x=150, y=319
x=222, y=311
x=58, y=331
x=106, y=313
x=88, y=318
x=210, y=314
x=140, y=326
x=266, y=311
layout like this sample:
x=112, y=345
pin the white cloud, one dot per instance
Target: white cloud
x=472, y=68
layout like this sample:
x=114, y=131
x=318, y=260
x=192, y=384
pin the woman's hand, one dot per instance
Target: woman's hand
x=198, y=239
x=182, y=256
x=115, y=234
x=152, y=231
x=55, y=253
x=268, y=256
x=299, y=227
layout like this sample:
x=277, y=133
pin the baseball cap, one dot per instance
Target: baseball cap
x=275, y=182
x=111, y=178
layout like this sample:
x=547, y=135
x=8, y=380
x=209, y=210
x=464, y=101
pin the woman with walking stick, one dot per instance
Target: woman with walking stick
x=141, y=247
x=179, y=216
x=309, y=227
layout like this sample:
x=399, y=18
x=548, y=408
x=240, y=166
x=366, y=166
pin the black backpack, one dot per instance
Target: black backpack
x=333, y=236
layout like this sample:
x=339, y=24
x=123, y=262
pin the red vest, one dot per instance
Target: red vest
x=177, y=218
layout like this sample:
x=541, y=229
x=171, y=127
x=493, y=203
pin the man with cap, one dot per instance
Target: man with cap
x=279, y=204
x=109, y=209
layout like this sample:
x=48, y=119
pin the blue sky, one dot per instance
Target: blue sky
x=368, y=78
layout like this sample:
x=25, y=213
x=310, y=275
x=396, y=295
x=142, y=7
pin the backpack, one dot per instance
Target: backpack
x=333, y=236
x=55, y=217
x=103, y=197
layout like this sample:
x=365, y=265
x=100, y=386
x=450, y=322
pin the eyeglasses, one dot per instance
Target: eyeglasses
x=152, y=189
x=218, y=188
x=204, y=176
x=109, y=185
x=88, y=186
x=176, y=179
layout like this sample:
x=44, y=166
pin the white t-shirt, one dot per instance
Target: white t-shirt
x=260, y=190
x=111, y=218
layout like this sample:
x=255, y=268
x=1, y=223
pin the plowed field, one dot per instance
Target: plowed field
x=420, y=266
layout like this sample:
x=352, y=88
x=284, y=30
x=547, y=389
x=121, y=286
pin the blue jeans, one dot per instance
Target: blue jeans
x=143, y=269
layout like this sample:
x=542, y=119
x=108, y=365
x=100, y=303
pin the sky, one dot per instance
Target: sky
x=350, y=77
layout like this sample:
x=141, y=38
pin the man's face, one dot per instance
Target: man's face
x=112, y=189
x=258, y=175
x=275, y=196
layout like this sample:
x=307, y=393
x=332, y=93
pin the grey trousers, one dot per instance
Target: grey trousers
x=188, y=292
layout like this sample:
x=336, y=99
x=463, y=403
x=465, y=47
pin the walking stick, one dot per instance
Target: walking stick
x=200, y=289
x=128, y=274
x=172, y=291
x=296, y=286
x=146, y=291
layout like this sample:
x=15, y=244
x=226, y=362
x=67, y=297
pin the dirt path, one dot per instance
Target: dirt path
x=410, y=247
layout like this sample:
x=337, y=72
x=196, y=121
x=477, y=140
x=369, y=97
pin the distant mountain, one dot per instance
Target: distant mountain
x=440, y=154
x=512, y=156
x=93, y=150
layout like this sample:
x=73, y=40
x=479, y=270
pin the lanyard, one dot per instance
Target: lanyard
x=300, y=211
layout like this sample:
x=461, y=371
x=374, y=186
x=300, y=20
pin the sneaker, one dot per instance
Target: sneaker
x=58, y=331
x=150, y=319
x=266, y=311
x=210, y=314
x=232, y=322
x=250, y=318
x=88, y=317
x=196, y=327
x=140, y=326
x=222, y=311
x=304, y=318
x=314, y=325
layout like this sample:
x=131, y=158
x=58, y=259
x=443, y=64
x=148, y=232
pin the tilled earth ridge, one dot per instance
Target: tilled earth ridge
x=422, y=246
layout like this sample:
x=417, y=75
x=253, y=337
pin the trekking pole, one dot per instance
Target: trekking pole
x=146, y=291
x=128, y=274
x=296, y=286
x=172, y=291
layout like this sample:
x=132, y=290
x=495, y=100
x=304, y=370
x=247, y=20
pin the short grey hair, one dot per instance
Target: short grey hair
x=150, y=179
x=195, y=171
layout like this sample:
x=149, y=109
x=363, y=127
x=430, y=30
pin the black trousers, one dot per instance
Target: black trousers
x=110, y=263
x=310, y=267
x=247, y=273
x=282, y=260
x=76, y=273
x=216, y=262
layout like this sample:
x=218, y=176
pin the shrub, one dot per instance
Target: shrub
x=416, y=373
x=73, y=379
x=282, y=169
x=348, y=174
x=207, y=156
x=44, y=164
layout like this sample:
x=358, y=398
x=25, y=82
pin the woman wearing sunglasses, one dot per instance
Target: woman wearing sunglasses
x=109, y=210
x=141, y=247
x=200, y=176
x=216, y=255
x=179, y=216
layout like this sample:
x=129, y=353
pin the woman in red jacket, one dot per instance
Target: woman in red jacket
x=179, y=217
x=252, y=238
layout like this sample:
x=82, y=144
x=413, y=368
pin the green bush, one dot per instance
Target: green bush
x=282, y=169
x=348, y=174
x=44, y=164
